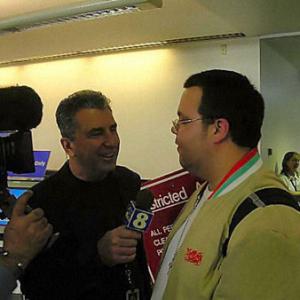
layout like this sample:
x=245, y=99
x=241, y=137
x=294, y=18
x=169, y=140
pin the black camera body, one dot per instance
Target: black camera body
x=16, y=154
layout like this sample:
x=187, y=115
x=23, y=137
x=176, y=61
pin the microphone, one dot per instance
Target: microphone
x=21, y=108
x=139, y=215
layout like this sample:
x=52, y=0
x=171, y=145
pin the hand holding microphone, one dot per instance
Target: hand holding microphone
x=119, y=245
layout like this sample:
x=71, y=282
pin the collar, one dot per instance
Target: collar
x=242, y=169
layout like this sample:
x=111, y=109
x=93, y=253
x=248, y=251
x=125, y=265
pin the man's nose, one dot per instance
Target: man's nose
x=111, y=139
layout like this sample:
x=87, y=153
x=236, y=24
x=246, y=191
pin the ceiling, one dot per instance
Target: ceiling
x=176, y=19
x=287, y=48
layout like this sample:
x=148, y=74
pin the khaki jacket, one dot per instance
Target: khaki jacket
x=263, y=256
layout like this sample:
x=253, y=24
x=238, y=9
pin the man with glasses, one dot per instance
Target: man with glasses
x=217, y=131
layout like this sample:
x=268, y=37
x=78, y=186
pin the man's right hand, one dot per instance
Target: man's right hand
x=25, y=235
x=118, y=246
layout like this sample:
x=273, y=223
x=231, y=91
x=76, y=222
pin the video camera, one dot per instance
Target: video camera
x=20, y=111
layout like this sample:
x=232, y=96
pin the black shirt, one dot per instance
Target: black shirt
x=82, y=212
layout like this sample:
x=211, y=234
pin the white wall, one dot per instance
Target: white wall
x=280, y=86
x=144, y=86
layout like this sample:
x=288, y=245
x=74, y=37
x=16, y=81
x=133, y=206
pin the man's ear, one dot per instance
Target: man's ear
x=221, y=130
x=68, y=146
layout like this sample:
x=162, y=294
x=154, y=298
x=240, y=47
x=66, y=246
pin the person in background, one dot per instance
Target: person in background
x=220, y=115
x=24, y=237
x=95, y=257
x=289, y=173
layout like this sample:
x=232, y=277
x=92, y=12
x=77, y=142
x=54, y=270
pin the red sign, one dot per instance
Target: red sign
x=170, y=192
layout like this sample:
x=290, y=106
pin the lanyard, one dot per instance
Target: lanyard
x=294, y=183
x=236, y=172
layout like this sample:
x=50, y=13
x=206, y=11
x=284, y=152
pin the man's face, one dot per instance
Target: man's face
x=191, y=138
x=95, y=147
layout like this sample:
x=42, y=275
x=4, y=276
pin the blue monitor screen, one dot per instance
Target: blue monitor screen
x=17, y=193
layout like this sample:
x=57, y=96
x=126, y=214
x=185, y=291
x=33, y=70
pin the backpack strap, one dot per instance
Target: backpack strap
x=261, y=198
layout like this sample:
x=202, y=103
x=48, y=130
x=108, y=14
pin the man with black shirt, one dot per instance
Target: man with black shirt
x=95, y=257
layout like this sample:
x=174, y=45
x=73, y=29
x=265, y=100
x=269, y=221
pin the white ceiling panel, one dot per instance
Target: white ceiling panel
x=176, y=19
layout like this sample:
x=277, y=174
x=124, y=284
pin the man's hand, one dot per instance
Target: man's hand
x=25, y=235
x=118, y=246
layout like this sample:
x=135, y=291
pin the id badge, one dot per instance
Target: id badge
x=133, y=294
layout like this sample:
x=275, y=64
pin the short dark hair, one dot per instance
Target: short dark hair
x=286, y=158
x=230, y=95
x=68, y=107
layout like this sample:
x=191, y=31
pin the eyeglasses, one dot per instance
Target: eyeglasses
x=176, y=123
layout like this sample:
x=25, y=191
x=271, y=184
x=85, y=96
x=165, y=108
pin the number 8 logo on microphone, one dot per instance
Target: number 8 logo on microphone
x=141, y=221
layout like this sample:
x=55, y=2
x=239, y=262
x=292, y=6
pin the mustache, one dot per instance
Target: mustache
x=112, y=151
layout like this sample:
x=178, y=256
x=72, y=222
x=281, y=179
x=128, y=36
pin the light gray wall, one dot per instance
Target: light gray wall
x=280, y=86
x=145, y=87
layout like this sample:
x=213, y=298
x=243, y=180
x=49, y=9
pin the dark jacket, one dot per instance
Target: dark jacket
x=82, y=212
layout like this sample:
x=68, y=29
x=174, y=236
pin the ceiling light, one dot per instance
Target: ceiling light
x=73, y=12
